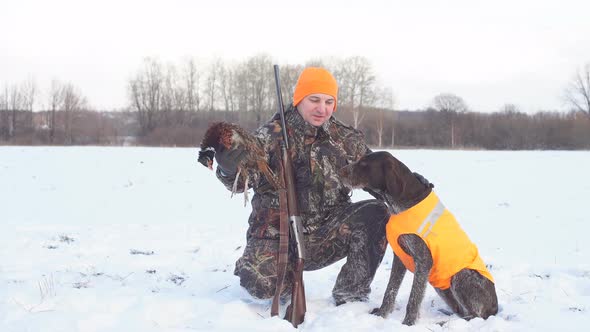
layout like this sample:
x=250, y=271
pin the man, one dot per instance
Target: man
x=334, y=227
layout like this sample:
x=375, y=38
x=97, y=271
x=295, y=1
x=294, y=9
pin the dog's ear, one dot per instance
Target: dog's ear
x=391, y=177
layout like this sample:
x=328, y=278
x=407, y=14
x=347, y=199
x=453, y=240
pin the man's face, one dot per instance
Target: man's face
x=316, y=108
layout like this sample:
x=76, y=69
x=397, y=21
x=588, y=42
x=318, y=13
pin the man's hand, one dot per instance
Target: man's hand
x=228, y=160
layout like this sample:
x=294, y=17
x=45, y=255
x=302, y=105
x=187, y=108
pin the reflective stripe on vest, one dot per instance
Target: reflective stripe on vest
x=431, y=218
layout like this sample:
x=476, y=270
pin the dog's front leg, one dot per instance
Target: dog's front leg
x=416, y=295
x=398, y=270
x=417, y=249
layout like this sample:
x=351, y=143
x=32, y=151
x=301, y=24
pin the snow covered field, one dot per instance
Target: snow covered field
x=145, y=239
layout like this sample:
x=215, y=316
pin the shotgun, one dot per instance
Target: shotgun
x=296, y=310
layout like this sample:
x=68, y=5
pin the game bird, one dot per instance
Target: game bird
x=232, y=136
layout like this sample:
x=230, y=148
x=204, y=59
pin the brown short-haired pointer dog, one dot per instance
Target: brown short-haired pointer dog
x=426, y=239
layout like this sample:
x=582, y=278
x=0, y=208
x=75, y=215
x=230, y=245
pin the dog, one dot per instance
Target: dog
x=426, y=239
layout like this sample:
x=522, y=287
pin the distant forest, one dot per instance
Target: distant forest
x=172, y=105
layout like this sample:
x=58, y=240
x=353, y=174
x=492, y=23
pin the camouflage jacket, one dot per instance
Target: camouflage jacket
x=317, y=153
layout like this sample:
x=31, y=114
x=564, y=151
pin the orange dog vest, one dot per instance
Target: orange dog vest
x=450, y=247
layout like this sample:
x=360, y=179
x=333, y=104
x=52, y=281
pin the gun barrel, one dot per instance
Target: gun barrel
x=280, y=105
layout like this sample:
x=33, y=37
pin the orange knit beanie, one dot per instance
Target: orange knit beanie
x=315, y=80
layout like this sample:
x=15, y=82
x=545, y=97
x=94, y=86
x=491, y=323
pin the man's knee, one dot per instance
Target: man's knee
x=370, y=212
x=258, y=285
x=257, y=268
x=370, y=218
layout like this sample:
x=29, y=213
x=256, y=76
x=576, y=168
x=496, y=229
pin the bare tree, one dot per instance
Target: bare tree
x=357, y=82
x=173, y=100
x=4, y=115
x=167, y=95
x=15, y=104
x=226, y=86
x=240, y=87
x=55, y=101
x=211, y=83
x=73, y=101
x=15, y=101
x=394, y=120
x=386, y=101
x=450, y=104
x=577, y=94
x=29, y=91
x=317, y=62
x=179, y=98
x=289, y=76
x=509, y=108
x=145, y=92
x=259, y=69
x=192, y=86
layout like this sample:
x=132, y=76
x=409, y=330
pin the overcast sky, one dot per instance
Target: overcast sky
x=488, y=52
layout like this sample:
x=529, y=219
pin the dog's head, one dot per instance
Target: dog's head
x=386, y=178
x=370, y=172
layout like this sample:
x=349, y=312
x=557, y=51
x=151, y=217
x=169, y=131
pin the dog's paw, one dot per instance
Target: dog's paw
x=409, y=321
x=379, y=312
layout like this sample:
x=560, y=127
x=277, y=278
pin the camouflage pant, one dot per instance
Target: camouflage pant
x=356, y=232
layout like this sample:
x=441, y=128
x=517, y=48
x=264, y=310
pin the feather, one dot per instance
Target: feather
x=232, y=136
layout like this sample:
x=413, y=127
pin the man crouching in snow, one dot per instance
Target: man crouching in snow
x=334, y=227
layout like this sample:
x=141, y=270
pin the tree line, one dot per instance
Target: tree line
x=173, y=104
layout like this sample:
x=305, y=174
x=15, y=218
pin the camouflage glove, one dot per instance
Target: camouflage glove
x=423, y=180
x=228, y=160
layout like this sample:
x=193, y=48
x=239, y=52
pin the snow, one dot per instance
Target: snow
x=145, y=239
